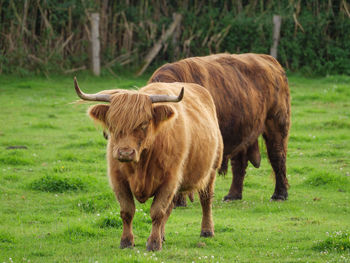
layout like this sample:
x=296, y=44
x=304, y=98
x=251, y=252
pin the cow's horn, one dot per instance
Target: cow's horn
x=92, y=97
x=167, y=98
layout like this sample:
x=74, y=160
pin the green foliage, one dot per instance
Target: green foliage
x=6, y=238
x=60, y=184
x=142, y=219
x=110, y=220
x=315, y=49
x=326, y=179
x=315, y=35
x=79, y=233
x=96, y=203
x=11, y=178
x=14, y=157
x=338, y=241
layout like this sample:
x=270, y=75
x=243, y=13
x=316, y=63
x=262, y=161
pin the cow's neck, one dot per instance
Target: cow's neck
x=143, y=181
x=143, y=165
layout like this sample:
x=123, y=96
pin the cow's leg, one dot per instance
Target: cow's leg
x=276, y=137
x=239, y=164
x=167, y=214
x=127, y=211
x=206, y=196
x=159, y=210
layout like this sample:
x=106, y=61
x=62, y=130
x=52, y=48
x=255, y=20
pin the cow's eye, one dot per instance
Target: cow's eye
x=144, y=126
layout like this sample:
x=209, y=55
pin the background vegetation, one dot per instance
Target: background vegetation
x=53, y=36
x=56, y=204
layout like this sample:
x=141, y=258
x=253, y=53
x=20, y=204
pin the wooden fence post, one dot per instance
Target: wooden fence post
x=276, y=35
x=95, y=44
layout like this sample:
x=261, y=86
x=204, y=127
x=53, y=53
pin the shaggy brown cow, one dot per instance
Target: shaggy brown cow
x=156, y=148
x=251, y=96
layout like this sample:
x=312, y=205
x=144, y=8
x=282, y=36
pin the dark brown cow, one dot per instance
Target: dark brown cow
x=251, y=96
x=156, y=148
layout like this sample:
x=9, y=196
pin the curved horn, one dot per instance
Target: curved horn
x=91, y=97
x=167, y=98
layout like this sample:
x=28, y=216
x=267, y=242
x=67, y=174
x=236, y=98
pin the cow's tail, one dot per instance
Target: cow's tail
x=221, y=159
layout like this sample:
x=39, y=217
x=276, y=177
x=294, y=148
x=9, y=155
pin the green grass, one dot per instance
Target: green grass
x=56, y=204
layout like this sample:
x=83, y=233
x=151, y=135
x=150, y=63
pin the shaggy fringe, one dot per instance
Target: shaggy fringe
x=128, y=111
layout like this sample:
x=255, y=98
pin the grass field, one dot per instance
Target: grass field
x=56, y=204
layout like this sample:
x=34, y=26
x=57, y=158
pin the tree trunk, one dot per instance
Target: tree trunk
x=95, y=43
x=276, y=35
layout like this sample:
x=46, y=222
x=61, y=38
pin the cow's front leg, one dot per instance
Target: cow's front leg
x=127, y=211
x=168, y=212
x=160, y=211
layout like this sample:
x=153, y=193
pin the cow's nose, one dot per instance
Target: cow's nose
x=126, y=154
x=126, y=151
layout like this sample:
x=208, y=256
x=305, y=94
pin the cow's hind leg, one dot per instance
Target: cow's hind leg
x=239, y=164
x=206, y=197
x=276, y=137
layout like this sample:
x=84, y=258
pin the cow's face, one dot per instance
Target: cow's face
x=132, y=122
x=128, y=146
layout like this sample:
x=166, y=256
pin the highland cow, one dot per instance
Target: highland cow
x=159, y=143
x=251, y=96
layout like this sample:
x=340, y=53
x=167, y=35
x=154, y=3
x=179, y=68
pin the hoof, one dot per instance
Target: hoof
x=232, y=197
x=279, y=197
x=126, y=243
x=154, y=245
x=207, y=233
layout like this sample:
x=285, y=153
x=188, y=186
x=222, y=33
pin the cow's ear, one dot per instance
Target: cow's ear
x=98, y=112
x=162, y=113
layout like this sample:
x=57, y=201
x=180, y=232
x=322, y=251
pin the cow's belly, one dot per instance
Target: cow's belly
x=197, y=174
x=237, y=138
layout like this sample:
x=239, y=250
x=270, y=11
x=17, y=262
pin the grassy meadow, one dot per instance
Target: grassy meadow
x=56, y=204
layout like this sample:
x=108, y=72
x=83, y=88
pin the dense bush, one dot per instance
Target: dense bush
x=98, y=202
x=79, y=233
x=46, y=36
x=327, y=180
x=337, y=241
x=60, y=184
x=110, y=220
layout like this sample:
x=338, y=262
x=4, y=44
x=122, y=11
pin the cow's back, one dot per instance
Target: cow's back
x=246, y=88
